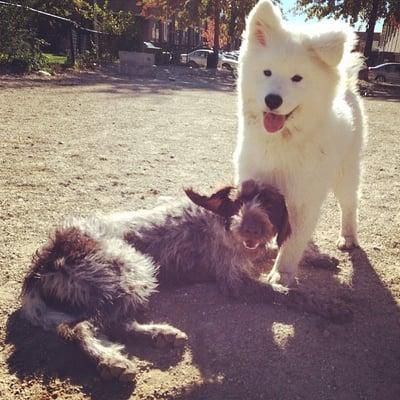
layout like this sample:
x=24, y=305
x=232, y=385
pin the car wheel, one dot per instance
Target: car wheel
x=380, y=78
x=192, y=64
x=227, y=66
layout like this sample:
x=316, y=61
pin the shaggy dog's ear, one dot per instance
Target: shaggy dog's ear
x=219, y=203
x=263, y=19
x=248, y=189
x=275, y=204
x=332, y=42
x=285, y=229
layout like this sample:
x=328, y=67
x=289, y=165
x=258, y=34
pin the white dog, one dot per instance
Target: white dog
x=301, y=123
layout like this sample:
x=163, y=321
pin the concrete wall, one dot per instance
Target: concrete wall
x=136, y=64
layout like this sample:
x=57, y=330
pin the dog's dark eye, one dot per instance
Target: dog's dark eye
x=296, y=78
x=267, y=72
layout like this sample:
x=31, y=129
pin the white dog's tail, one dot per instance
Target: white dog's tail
x=352, y=64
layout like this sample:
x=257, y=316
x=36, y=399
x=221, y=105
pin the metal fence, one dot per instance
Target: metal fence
x=64, y=35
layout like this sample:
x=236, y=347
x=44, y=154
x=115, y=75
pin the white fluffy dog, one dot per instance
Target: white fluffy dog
x=301, y=123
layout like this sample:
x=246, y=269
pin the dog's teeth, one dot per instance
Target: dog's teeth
x=250, y=247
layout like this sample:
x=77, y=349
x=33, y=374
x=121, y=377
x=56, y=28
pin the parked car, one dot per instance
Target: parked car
x=197, y=58
x=229, y=61
x=161, y=56
x=388, y=72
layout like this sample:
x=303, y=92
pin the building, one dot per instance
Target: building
x=161, y=30
x=389, y=44
x=362, y=37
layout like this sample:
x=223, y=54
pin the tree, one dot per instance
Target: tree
x=226, y=18
x=19, y=44
x=24, y=31
x=368, y=11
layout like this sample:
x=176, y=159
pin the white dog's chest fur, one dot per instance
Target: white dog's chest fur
x=294, y=164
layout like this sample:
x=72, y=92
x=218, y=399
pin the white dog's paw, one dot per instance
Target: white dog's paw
x=281, y=278
x=347, y=242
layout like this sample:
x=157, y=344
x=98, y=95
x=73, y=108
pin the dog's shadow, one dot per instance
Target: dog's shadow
x=266, y=351
x=233, y=346
x=43, y=356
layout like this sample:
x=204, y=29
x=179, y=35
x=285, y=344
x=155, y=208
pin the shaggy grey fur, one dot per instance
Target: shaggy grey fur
x=95, y=274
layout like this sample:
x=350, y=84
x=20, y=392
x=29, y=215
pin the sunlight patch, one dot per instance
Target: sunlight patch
x=282, y=334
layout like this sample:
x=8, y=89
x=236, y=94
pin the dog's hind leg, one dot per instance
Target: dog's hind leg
x=162, y=335
x=107, y=355
x=345, y=188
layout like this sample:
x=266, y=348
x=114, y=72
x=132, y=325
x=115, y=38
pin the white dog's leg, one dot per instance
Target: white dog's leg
x=303, y=220
x=345, y=189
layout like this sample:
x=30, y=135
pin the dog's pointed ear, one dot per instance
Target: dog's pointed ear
x=219, y=203
x=264, y=19
x=332, y=42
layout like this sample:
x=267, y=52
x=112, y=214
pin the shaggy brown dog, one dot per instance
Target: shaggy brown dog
x=96, y=274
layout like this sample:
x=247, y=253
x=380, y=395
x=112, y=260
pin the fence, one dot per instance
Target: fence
x=63, y=35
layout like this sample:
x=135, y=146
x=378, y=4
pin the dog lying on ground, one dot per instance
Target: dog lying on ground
x=301, y=123
x=96, y=274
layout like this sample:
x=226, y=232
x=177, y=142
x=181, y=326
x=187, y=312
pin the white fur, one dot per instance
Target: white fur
x=319, y=147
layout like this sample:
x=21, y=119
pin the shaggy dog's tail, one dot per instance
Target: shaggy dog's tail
x=47, y=286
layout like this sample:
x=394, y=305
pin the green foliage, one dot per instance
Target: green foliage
x=55, y=59
x=368, y=11
x=21, y=46
x=351, y=10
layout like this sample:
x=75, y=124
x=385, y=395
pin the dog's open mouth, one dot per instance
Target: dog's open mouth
x=275, y=122
x=251, y=244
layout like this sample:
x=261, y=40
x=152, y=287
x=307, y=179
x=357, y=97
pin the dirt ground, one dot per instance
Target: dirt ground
x=94, y=142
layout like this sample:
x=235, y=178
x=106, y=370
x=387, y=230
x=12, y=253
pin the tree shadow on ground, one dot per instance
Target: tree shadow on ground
x=165, y=80
x=234, y=346
x=380, y=91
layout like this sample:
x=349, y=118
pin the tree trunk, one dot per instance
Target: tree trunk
x=232, y=25
x=217, y=21
x=372, y=18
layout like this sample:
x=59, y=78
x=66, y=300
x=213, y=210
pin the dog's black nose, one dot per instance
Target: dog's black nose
x=273, y=101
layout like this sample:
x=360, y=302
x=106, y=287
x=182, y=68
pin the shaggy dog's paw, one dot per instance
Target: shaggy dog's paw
x=281, y=278
x=347, y=242
x=117, y=368
x=169, y=336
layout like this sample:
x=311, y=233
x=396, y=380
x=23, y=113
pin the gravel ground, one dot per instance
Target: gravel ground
x=87, y=142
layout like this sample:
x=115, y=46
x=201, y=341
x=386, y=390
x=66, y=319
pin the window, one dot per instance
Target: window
x=390, y=68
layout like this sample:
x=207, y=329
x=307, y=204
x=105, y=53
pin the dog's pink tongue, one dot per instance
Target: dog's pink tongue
x=273, y=122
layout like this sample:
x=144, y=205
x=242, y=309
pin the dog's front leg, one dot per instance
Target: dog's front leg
x=305, y=301
x=302, y=217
